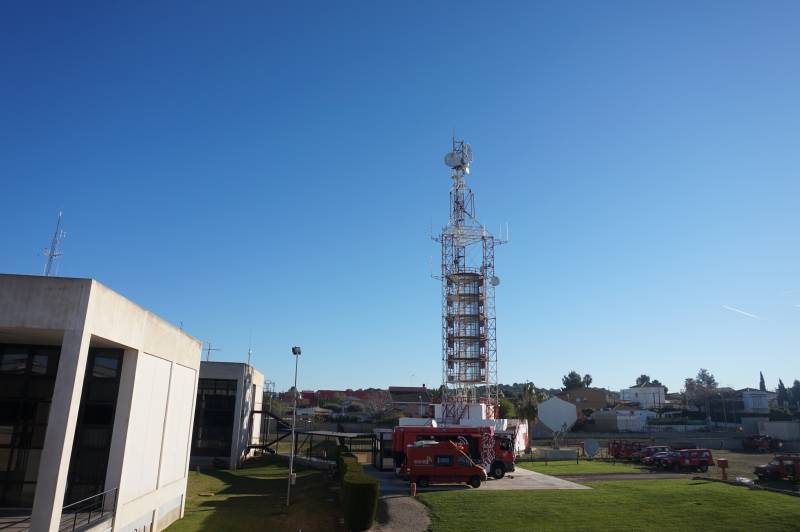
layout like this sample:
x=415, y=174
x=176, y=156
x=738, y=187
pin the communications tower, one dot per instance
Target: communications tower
x=469, y=341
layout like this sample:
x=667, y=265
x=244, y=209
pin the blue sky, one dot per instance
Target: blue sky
x=274, y=169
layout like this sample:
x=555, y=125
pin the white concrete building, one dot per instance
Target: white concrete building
x=227, y=413
x=755, y=401
x=96, y=397
x=647, y=395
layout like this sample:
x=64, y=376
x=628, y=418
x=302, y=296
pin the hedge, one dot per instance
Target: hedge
x=359, y=500
x=359, y=493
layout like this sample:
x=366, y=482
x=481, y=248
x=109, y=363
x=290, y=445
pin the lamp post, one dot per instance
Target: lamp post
x=296, y=353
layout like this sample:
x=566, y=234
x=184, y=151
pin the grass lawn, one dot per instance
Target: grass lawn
x=254, y=498
x=585, y=467
x=615, y=505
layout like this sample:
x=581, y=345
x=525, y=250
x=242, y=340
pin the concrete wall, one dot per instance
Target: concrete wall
x=148, y=456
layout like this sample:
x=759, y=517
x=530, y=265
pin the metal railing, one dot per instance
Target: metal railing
x=89, y=510
x=14, y=523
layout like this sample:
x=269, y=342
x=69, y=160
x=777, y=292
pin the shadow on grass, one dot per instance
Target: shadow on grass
x=259, y=503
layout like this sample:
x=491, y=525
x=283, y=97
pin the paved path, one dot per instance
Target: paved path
x=590, y=477
x=401, y=513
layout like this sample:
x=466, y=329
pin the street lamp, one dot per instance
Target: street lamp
x=296, y=354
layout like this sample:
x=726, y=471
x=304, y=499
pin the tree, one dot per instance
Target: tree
x=795, y=393
x=761, y=384
x=642, y=379
x=783, y=394
x=700, y=389
x=573, y=380
x=507, y=409
x=528, y=405
x=379, y=405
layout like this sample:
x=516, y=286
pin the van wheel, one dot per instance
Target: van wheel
x=498, y=470
x=423, y=482
x=475, y=481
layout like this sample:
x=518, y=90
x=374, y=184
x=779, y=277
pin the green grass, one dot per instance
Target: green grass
x=615, y=505
x=254, y=498
x=585, y=467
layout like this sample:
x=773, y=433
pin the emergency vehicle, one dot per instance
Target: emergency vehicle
x=441, y=462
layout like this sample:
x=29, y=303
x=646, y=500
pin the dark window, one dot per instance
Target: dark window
x=444, y=460
x=87, y=470
x=464, y=461
x=27, y=376
x=213, y=420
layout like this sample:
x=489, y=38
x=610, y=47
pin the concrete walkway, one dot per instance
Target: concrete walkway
x=401, y=513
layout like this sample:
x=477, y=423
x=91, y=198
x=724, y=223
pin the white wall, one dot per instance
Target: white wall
x=146, y=427
x=175, y=452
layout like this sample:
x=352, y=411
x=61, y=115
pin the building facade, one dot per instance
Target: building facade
x=227, y=416
x=96, y=401
x=646, y=395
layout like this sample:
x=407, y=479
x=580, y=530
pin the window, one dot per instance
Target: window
x=215, y=410
x=444, y=461
x=27, y=377
x=90, y=448
x=464, y=461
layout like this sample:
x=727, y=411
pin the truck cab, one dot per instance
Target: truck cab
x=782, y=466
x=441, y=462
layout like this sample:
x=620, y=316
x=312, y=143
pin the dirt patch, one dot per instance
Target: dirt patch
x=401, y=514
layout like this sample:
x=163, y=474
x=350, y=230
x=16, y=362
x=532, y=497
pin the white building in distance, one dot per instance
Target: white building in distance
x=96, y=407
x=646, y=395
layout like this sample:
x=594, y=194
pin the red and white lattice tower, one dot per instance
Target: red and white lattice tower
x=469, y=342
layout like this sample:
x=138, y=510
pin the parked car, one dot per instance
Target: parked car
x=693, y=459
x=641, y=454
x=441, y=462
x=782, y=466
x=654, y=460
x=762, y=444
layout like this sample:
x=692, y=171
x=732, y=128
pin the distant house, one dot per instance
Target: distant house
x=587, y=398
x=411, y=401
x=755, y=401
x=646, y=395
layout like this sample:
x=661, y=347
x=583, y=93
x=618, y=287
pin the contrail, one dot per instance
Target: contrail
x=743, y=313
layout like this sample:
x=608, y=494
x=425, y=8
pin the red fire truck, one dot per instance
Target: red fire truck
x=441, y=462
x=495, y=452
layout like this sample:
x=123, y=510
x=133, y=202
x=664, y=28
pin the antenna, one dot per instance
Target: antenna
x=53, y=253
x=209, y=349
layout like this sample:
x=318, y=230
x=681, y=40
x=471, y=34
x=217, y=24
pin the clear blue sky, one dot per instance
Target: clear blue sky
x=277, y=167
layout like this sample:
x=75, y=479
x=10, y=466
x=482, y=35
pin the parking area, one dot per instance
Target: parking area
x=521, y=479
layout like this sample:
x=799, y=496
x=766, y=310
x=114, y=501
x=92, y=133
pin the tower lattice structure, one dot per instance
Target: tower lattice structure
x=469, y=337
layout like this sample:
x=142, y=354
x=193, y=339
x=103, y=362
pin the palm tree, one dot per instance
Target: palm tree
x=528, y=406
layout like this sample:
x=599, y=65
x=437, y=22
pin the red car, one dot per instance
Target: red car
x=695, y=459
x=640, y=455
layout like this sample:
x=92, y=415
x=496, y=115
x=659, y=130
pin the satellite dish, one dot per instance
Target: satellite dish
x=591, y=447
x=452, y=160
x=495, y=280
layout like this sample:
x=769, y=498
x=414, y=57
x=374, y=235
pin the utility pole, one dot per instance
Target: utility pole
x=296, y=354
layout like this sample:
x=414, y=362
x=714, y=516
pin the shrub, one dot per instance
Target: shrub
x=359, y=498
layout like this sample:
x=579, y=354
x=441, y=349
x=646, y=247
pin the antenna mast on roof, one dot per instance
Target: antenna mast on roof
x=209, y=349
x=53, y=253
